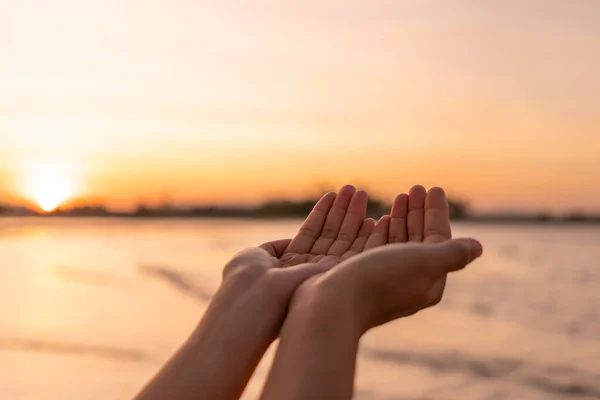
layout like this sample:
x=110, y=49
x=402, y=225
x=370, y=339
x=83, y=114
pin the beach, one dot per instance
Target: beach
x=91, y=308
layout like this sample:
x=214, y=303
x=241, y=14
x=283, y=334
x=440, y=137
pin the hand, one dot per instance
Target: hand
x=253, y=298
x=336, y=229
x=418, y=222
x=329, y=312
x=385, y=283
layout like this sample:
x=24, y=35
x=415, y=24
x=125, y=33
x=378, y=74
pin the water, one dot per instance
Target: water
x=90, y=309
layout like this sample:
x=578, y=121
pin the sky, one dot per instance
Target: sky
x=121, y=102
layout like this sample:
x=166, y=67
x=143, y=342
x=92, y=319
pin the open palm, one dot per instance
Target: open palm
x=336, y=229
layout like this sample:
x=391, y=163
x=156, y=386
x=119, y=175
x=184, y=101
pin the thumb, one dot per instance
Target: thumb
x=454, y=255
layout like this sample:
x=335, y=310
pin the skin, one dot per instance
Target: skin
x=330, y=312
x=261, y=284
x=253, y=298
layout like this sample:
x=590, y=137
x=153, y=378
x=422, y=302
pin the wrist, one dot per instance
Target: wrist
x=316, y=357
x=326, y=307
x=233, y=324
x=238, y=307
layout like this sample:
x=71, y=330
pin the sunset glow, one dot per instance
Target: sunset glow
x=49, y=184
x=205, y=102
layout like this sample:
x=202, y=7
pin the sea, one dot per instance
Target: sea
x=91, y=308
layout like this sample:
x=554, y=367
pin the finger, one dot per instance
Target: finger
x=277, y=247
x=357, y=211
x=437, y=217
x=431, y=261
x=312, y=227
x=361, y=240
x=379, y=236
x=334, y=220
x=451, y=255
x=398, y=230
x=422, y=265
x=416, y=213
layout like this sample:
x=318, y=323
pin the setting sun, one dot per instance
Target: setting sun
x=50, y=184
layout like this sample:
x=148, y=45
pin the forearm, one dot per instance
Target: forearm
x=316, y=357
x=220, y=356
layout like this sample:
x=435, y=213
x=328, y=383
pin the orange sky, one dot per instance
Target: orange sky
x=496, y=101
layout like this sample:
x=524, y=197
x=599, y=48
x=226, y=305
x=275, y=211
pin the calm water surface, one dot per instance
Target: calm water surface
x=90, y=309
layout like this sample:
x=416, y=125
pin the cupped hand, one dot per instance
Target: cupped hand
x=336, y=229
x=409, y=273
x=336, y=232
x=386, y=283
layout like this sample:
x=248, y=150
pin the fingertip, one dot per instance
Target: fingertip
x=330, y=196
x=454, y=255
x=384, y=219
x=400, y=206
x=358, y=204
x=345, y=195
x=476, y=248
x=416, y=198
x=384, y=223
x=436, y=198
x=438, y=191
x=472, y=247
x=401, y=197
x=326, y=201
x=361, y=195
x=417, y=190
x=367, y=226
x=348, y=189
x=379, y=234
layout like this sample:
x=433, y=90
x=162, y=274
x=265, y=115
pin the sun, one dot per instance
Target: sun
x=50, y=183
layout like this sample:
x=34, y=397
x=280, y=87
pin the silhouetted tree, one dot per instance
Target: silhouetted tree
x=575, y=217
x=286, y=208
x=84, y=211
x=459, y=210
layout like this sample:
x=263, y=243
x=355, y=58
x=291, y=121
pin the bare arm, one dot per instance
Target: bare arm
x=317, y=352
x=221, y=354
x=247, y=312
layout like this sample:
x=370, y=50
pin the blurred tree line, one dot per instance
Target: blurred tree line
x=459, y=210
x=375, y=208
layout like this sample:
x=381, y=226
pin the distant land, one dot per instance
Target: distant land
x=277, y=209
